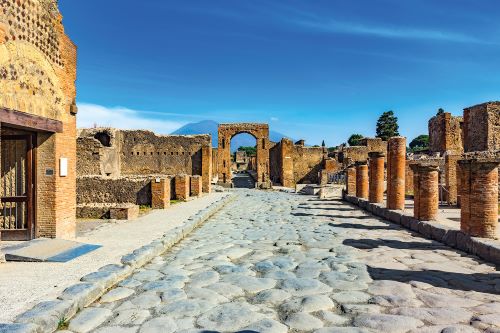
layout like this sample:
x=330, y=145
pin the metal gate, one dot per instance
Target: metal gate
x=17, y=186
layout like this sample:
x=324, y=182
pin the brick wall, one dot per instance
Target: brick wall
x=445, y=134
x=482, y=127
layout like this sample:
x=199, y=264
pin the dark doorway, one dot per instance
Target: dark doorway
x=17, y=186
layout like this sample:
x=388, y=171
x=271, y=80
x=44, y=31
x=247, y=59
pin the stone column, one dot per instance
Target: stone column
x=351, y=180
x=425, y=191
x=182, y=187
x=196, y=186
x=376, y=177
x=206, y=168
x=362, y=180
x=479, y=197
x=160, y=193
x=396, y=159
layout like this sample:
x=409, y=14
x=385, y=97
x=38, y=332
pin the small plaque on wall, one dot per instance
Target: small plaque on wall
x=49, y=172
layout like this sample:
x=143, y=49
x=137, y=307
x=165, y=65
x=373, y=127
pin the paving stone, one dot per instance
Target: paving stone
x=116, y=294
x=88, y=319
x=116, y=329
x=203, y=279
x=226, y=289
x=350, y=297
x=307, y=304
x=267, y=326
x=303, y=321
x=159, y=325
x=228, y=317
x=131, y=317
x=185, y=308
x=272, y=296
x=249, y=283
x=146, y=300
x=332, y=319
x=436, y=316
x=387, y=323
x=302, y=287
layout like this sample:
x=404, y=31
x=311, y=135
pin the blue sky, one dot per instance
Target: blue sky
x=317, y=70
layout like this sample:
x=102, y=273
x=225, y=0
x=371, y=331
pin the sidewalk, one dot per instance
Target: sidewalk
x=23, y=285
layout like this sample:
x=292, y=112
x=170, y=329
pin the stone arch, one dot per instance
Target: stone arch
x=261, y=134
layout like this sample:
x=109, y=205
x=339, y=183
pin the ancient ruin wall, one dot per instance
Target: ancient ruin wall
x=37, y=76
x=445, y=134
x=360, y=153
x=482, y=127
x=113, y=153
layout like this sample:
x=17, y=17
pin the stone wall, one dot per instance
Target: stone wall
x=360, y=153
x=482, y=127
x=293, y=164
x=445, y=134
x=37, y=78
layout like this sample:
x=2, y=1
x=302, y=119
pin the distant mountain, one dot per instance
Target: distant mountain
x=211, y=127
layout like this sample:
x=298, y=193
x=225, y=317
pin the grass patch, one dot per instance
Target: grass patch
x=174, y=202
x=62, y=324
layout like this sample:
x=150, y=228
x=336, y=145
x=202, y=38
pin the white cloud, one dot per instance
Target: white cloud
x=90, y=115
x=274, y=119
x=387, y=32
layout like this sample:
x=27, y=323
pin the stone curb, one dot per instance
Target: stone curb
x=486, y=249
x=46, y=316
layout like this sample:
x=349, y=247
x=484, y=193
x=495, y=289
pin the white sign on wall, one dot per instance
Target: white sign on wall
x=63, y=167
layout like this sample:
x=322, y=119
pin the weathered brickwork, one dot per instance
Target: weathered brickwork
x=376, y=177
x=261, y=134
x=479, y=197
x=351, y=180
x=360, y=153
x=482, y=127
x=396, y=163
x=196, y=186
x=206, y=168
x=451, y=178
x=182, y=187
x=445, y=134
x=160, y=193
x=124, y=212
x=426, y=191
x=37, y=77
x=297, y=163
x=362, y=180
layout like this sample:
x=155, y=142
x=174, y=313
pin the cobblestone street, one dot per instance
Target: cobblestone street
x=278, y=262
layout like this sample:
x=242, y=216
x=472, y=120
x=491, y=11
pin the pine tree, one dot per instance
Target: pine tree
x=387, y=126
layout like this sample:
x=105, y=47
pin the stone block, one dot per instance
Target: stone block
x=450, y=237
x=393, y=216
x=160, y=193
x=464, y=242
x=414, y=225
x=437, y=232
x=196, y=186
x=83, y=294
x=125, y=212
x=480, y=248
x=425, y=229
x=362, y=203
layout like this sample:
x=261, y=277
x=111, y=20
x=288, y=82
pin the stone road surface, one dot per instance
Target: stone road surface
x=277, y=262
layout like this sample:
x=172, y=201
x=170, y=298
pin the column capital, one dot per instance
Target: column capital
x=376, y=154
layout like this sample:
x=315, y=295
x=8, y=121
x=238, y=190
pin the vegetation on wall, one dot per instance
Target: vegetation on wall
x=420, y=143
x=251, y=151
x=355, y=140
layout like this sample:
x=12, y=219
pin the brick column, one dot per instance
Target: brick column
x=451, y=178
x=396, y=159
x=182, y=187
x=160, y=193
x=196, y=186
x=362, y=180
x=425, y=191
x=376, y=177
x=351, y=180
x=479, y=197
x=206, y=168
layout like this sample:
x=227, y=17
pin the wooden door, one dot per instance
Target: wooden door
x=17, y=187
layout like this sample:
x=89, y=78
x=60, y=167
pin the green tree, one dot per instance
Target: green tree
x=355, y=140
x=440, y=111
x=387, y=126
x=421, y=142
x=249, y=150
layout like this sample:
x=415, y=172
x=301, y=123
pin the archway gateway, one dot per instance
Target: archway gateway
x=261, y=134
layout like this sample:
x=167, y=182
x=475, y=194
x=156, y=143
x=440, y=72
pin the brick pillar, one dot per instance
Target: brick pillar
x=451, y=178
x=196, y=186
x=206, y=168
x=425, y=191
x=182, y=187
x=351, y=180
x=323, y=177
x=362, y=180
x=376, y=177
x=396, y=159
x=160, y=193
x=479, y=197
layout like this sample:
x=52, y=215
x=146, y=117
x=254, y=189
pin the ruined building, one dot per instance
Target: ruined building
x=38, y=122
x=117, y=167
